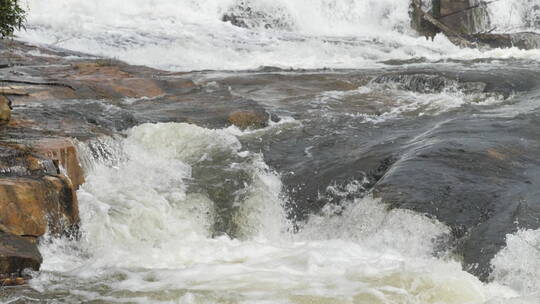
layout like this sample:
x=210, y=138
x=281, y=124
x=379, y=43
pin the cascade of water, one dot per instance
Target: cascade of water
x=192, y=35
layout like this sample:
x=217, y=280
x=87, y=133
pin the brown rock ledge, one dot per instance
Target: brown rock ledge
x=32, y=205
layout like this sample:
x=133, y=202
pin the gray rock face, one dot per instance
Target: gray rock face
x=464, y=16
x=429, y=83
x=18, y=253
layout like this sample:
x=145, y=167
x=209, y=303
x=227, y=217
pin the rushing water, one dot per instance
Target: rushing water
x=189, y=34
x=407, y=172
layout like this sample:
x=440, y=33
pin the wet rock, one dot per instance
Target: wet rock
x=483, y=190
x=17, y=254
x=21, y=161
x=5, y=110
x=418, y=23
x=111, y=81
x=246, y=15
x=464, y=16
x=249, y=119
x=429, y=83
x=13, y=91
x=32, y=205
x=12, y=281
x=524, y=40
x=64, y=153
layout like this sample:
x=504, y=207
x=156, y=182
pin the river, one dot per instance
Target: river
x=394, y=169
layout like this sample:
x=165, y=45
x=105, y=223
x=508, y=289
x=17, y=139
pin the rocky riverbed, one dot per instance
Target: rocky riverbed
x=437, y=162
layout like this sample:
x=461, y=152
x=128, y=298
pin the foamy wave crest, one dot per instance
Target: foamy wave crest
x=170, y=187
x=517, y=265
x=158, y=226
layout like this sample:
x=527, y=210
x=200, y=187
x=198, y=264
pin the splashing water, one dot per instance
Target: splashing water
x=191, y=35
x=147, y=229
x=175, y=213
x=517, y=265
x=516, y=15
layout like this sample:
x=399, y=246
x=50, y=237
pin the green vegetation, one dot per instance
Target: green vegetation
x=12, y=17
x=105, y=62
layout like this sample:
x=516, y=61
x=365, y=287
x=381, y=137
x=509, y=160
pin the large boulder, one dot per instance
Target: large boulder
x=17, y=253
x=33, y=205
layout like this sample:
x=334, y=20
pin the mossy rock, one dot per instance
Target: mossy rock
x=251, y=119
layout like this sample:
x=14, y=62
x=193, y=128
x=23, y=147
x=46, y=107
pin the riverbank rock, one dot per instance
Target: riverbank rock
x=16, y=254
x=33, y=205
x=64, y=153
x=5, y=110
x=249, y=119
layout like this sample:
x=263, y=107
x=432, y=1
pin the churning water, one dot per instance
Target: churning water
x=150, y=235
x=178, y=213
x=190, y=34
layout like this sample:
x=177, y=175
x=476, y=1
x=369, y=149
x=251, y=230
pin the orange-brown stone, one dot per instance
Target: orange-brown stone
x=5, y=110
x=31, y=205
x=248, y=119
x=63, y=151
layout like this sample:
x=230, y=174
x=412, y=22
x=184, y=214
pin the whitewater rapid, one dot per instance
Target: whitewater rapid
x=148, y=236
x=190, y=35
x=178, y=213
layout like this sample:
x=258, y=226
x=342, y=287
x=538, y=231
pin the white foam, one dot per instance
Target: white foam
x=146, y=237
x=189, y=35
x=514, y=15
x=517, y=264
x=395, y=103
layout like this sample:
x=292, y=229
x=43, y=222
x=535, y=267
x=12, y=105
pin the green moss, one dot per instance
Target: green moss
x=12, y=17
x=108, y=62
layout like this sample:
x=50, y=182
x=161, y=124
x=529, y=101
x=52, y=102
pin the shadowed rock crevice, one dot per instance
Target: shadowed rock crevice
x=17, y=254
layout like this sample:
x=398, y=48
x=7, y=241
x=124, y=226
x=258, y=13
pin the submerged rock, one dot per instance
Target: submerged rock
x=5, y=110
x=429, y=83
x=523, y=40
x=16, y=254
x=249, y=119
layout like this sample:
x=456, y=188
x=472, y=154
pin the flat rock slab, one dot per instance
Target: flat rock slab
x=18, y=253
